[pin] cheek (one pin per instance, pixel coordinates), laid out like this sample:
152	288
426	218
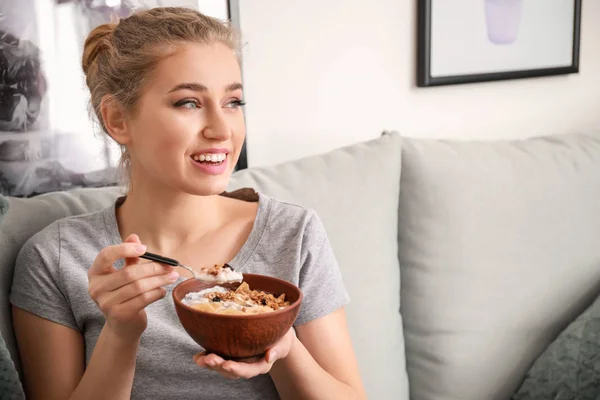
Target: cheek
163	132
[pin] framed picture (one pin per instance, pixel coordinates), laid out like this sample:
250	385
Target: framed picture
466	41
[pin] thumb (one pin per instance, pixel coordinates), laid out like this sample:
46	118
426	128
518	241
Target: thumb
133	238
272	355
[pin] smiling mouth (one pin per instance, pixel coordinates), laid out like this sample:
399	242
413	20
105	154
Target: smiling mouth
209	159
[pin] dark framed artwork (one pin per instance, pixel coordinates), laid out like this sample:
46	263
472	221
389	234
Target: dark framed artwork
467	41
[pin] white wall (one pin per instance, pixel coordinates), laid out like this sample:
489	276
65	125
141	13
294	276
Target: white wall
322	74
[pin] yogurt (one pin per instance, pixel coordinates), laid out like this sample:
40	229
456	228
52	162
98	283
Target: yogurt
241	301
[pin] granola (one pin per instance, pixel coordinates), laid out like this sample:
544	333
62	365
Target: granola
242	300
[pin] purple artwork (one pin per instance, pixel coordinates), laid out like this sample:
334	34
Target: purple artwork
503	18
489	40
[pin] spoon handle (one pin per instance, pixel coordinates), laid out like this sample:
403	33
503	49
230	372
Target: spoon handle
160	259
168	261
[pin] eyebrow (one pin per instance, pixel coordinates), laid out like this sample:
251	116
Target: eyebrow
198	87
234	86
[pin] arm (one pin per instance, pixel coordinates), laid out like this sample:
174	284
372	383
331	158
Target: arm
53	354
318	364
53	360
321	363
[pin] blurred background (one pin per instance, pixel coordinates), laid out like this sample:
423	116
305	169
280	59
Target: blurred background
317	75
48	138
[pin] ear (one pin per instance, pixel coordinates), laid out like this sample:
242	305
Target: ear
115	120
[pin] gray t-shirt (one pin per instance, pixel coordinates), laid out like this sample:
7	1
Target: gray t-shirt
286	241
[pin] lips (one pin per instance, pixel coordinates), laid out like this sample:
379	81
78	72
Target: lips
210	163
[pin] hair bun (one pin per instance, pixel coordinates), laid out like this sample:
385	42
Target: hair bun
98	40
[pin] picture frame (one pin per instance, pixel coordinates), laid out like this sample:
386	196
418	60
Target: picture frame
468	41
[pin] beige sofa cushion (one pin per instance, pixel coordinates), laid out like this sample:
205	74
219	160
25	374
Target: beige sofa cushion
499	247
27	216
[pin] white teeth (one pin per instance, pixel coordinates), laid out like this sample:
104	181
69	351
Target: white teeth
215	158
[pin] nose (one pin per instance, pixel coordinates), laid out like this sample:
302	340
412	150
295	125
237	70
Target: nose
216	127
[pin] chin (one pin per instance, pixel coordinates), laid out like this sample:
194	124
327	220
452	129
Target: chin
208	187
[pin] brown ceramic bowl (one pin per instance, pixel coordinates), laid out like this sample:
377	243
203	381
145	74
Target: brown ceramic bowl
238	337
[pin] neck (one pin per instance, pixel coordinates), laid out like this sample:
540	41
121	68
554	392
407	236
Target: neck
166	220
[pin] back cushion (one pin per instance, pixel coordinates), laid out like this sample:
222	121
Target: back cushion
27	216
355	192
499	247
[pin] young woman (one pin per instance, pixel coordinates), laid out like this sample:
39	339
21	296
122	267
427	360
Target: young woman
93	321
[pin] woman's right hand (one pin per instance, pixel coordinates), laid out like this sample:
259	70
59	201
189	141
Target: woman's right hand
122	295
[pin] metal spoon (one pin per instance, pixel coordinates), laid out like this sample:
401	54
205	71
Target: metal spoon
175	263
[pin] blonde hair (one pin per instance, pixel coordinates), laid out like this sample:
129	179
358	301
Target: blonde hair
118	58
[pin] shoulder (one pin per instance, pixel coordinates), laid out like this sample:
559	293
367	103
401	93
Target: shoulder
304	221
70	228
277	223
248	203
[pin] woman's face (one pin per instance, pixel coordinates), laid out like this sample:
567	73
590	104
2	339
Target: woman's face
188	127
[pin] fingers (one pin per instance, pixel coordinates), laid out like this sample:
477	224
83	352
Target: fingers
133	238
231	369
234	370
130	309
123	295
213	363
246	370
272	355
140	302
212	360
109	287
105	283
131	274
109	255
134	287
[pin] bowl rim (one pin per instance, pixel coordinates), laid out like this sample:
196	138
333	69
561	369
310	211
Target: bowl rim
295	304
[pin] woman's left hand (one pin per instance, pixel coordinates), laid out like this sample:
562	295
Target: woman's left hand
235	370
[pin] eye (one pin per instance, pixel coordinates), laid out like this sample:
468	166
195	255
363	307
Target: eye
188	103
235	103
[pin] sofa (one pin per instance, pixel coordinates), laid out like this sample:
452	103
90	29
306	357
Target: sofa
470	264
